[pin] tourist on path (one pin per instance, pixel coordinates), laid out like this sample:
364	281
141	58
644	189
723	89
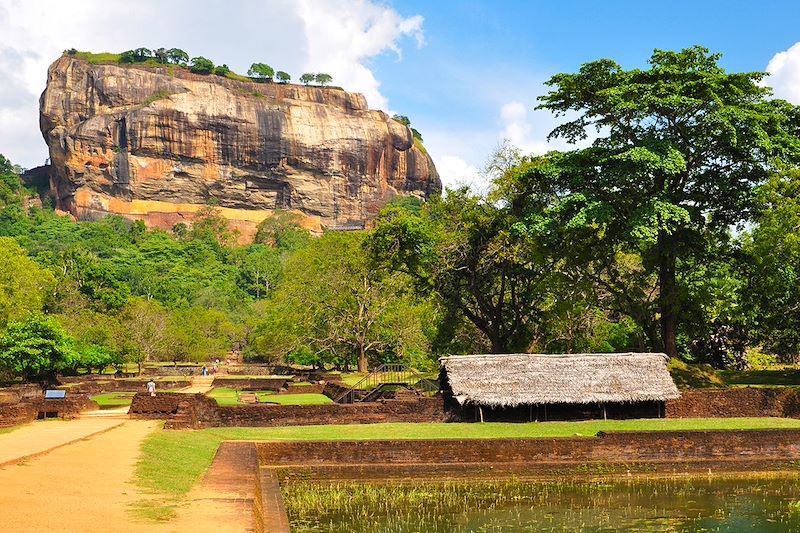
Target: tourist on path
151	387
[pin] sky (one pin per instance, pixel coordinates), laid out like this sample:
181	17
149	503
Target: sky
467	73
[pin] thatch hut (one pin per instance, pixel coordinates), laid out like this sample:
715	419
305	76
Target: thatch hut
556	387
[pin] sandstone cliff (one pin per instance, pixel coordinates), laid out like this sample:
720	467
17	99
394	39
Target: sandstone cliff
160	143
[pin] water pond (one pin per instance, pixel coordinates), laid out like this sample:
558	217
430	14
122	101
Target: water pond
708	504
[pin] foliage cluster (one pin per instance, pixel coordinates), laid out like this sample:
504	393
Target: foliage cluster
259	72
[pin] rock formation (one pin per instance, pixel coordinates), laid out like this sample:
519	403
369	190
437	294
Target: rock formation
160	143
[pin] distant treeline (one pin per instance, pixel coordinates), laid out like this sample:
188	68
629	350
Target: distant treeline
260	72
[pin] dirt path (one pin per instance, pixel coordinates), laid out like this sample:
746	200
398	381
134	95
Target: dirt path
87	486
39	437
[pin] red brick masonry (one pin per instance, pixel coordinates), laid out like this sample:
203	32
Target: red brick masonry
606	455
726	403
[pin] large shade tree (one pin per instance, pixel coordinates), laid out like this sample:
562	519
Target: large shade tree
467	251
680	146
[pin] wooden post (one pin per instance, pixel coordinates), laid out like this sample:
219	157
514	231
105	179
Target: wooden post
480	410
604	411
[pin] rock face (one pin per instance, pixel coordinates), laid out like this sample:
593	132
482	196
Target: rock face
160	143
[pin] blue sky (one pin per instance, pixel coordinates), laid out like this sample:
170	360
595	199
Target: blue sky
467	73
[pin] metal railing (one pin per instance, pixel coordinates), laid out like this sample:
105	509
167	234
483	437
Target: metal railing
384	375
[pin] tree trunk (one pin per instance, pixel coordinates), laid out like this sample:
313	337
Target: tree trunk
668	297
362	360
498	346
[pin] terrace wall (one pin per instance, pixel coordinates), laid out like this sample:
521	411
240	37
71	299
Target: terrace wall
736	402
422	410
606	455
779	444
99	384
18	413
272	384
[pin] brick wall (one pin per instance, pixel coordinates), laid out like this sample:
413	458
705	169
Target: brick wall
424	410
18	413
666	446
97	386
159	406
735	402
273	384
68	407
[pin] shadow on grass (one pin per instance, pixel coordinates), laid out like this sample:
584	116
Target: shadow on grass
772	377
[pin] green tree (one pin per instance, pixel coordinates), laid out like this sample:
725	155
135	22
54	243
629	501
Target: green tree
221	70
199	334
772	259
138	55
259	269
94	278
261	71
24	285
36	348
681	146
322	78
402	119
177	56
467	251
283	230
201	65
334	304
161	55
283	76
307	77
211	226
145	326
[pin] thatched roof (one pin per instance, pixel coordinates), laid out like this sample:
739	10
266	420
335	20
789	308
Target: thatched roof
529	379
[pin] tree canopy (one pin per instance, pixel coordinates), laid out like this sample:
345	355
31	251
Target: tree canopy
680	147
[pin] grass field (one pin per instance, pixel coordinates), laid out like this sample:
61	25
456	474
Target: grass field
226	396
172	461
777	377
113	399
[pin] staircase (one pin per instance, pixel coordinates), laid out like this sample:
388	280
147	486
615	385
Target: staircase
200	384
385	378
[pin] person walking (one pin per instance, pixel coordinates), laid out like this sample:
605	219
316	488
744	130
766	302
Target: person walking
151	387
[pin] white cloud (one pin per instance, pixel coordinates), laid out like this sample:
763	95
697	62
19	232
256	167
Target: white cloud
455	172
784	70
342	35
333	36
519	130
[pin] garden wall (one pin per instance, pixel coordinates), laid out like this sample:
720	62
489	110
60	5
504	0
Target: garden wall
19	413
99	384
606	454
423	410
272	384
735	402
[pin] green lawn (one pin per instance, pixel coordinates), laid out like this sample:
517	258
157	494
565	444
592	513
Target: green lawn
587	428
113	399
353	378
226	396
